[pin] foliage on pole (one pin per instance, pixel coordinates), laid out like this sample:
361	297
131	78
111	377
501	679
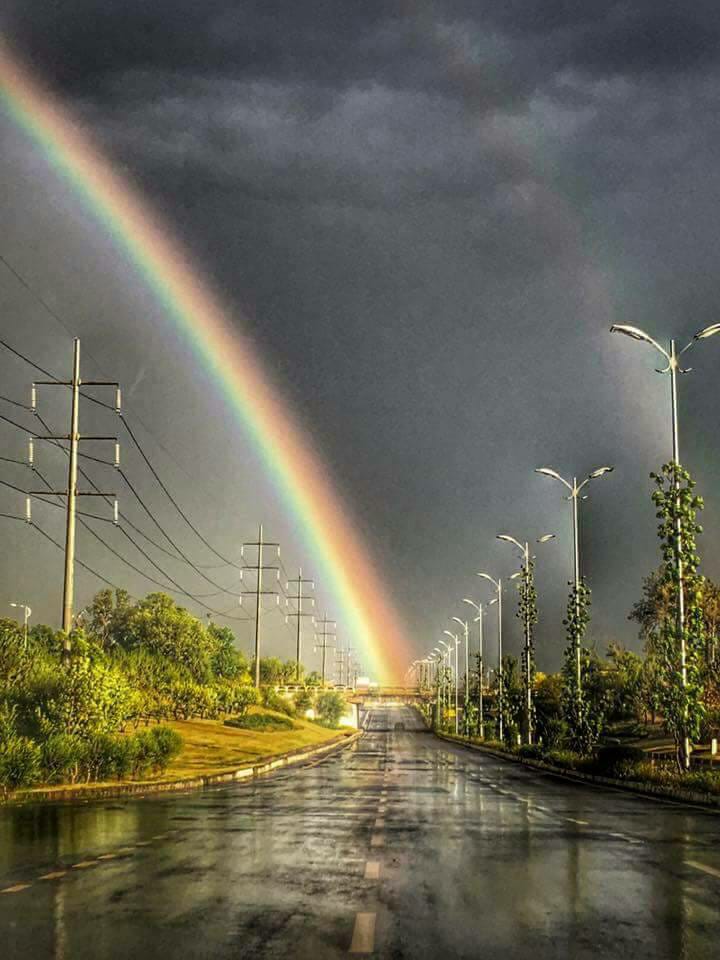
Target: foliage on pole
527	613
583	718
681	699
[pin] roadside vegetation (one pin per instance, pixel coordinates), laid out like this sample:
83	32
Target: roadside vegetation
623	715
114	708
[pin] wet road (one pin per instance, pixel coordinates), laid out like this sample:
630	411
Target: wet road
403	845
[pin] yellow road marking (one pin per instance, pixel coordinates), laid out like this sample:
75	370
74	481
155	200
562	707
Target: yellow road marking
377	840
372	870
107	856
83	864
143	843
55	875
16	888
363	939
379	823
125	850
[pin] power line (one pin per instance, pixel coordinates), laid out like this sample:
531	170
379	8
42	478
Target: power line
56	316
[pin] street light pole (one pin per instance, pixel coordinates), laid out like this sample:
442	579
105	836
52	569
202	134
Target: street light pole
26	616
498	600
575	489
478	619
466	630
672	358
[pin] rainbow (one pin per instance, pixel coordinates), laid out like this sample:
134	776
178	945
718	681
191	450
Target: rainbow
365	613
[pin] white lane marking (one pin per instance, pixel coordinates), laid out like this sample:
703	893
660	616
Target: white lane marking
363	939
372	870
622	836
583	823
379	823
377	840
704	867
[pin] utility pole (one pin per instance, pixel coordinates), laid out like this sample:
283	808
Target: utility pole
300	597
325	634
71	492
259	568
340	666
349	668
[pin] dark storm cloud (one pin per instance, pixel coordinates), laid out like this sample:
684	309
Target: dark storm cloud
439	207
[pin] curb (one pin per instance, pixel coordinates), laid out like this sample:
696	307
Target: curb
650	790
252	770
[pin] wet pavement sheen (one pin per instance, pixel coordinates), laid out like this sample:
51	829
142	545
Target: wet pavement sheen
402	846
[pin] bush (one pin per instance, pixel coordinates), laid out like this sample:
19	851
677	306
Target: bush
266	722
273	701
532	751
19	762
613	761
566	759
330	707
62	758
304	701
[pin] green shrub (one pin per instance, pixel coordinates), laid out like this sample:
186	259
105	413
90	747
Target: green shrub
532	751
266	722
614	760
330	707
273	701
566	759
62	758
19	762
304	701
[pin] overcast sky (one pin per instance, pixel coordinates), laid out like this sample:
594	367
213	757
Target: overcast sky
429	214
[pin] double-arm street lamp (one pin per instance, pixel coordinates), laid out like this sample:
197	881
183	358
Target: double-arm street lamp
524	549
672	359
575	489
498	600
481	673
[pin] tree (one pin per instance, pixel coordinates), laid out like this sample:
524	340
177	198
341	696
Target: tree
226	660
15	660
160	626
528	615
91	699
330	707
680	638
583	718
107	618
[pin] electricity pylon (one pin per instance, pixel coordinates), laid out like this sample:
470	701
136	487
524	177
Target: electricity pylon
324	635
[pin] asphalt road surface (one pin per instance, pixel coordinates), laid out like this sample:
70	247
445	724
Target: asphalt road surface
401	847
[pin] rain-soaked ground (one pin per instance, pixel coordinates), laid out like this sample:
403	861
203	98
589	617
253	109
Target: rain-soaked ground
403	845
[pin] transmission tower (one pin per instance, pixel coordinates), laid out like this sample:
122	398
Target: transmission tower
71	492
258	569
323	637
340	664
299	598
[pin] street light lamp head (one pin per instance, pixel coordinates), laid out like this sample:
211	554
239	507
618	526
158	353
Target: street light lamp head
449	633
486	576
548	472
599	472
494	600
707	331
546	537
463	623
635	332
514	576
506	537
